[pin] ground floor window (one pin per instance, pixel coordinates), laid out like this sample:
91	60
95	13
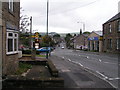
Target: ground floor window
109	43
12	43
118	43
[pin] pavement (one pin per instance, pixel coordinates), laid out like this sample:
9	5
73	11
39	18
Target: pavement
38	71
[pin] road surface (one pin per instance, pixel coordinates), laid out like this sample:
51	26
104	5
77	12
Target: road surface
104	66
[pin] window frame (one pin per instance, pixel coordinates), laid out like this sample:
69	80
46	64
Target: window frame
110	28
11	5
13	43
118	26
118	43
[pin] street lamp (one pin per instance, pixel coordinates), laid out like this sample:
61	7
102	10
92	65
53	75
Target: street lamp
83	25
83	30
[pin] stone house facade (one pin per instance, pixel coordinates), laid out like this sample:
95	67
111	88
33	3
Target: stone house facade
111	34
80	41
95	41
10	12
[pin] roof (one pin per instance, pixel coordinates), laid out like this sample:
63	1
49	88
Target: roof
86	35
117	16
99	33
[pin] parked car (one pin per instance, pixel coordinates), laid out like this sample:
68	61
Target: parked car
44	49
62	47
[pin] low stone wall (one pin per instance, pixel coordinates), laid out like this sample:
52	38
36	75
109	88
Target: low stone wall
36	62
52	68
21	82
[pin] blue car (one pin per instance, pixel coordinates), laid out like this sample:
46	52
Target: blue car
44	49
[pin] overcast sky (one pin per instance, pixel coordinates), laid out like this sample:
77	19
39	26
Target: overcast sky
64	15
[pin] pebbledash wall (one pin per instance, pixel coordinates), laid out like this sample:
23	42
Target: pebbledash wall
9	34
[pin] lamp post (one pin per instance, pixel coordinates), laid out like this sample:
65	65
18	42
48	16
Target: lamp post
83	25
83	30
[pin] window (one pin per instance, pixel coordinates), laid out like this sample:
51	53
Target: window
12	43
110	43
118	25
11	5
110	29
118	43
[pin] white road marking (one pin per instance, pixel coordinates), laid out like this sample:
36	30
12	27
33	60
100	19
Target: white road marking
65	70
104	77
100	60
106	62
87	57
63	57
109	63
75	62
88	68
80	64
114	78
69	59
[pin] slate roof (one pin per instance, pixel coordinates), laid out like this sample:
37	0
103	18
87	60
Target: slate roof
117	16
99	33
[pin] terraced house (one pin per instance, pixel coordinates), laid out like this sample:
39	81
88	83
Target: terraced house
111	34
9	28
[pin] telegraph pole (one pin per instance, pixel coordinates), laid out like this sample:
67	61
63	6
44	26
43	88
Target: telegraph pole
47	26
31	33
33	52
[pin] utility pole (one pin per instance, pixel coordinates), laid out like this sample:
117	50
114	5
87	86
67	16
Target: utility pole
31	33
33	52
47	26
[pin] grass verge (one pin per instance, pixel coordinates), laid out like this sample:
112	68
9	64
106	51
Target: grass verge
22	68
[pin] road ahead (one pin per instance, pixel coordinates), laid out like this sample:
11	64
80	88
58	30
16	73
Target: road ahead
102	65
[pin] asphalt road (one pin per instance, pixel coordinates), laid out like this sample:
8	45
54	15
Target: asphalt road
102	65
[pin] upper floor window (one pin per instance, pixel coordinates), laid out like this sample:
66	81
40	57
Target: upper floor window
118	25
11	5
110	29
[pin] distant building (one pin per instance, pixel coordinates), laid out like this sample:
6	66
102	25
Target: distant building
80	41
95	41
52	33
111	34
9	28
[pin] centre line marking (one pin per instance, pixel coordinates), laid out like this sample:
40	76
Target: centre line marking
100	60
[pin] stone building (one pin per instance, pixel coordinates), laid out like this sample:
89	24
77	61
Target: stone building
95	41
111	34
80	41
9	28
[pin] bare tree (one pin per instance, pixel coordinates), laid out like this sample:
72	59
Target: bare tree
24	22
